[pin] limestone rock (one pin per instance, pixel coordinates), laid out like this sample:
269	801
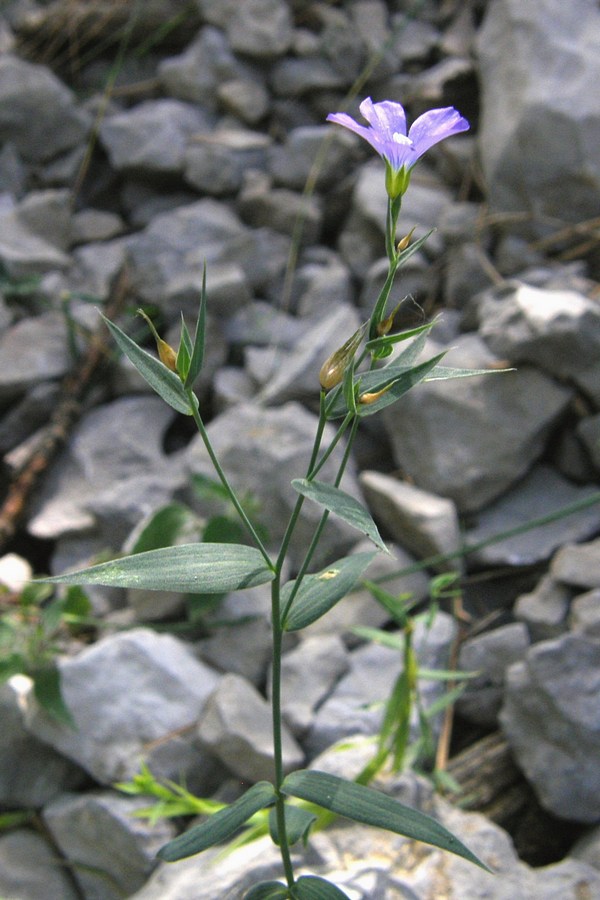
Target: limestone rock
470	439
112	853
551	718
540	127
134	696
236	728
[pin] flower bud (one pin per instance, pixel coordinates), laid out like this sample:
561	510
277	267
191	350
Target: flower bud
332	370
405	241
166	354
368	398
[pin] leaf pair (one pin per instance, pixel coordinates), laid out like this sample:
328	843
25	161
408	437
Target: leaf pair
173	387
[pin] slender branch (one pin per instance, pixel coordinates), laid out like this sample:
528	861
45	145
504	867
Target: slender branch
225	482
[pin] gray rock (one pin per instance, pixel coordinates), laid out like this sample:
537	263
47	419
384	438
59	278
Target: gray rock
195	75
283	210
29	869
111	852
245	98
587	848
260	324
222	649
262	450
424	524
32	351
557	331
588	430
294	161
38	114
95	225
31	772
112	473
29	414
152	137
467	273
236	727
320	285
470	439
578	564
48	215
177	243
540	494
151	721
295	78
23	253
295	375
544	610
215	162
490	654
584	615
308	673
261	29
539	126
96	265
551	718
356	705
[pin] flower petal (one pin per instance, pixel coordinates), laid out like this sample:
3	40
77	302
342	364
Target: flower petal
386	118
435	125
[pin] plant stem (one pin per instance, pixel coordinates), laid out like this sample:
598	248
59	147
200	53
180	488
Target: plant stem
225	482
277	737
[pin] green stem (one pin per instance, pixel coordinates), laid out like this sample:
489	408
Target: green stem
224	480
322	522
285	543
277	736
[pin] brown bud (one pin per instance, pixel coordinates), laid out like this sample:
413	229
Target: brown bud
166	354
405	241
332	370
368	398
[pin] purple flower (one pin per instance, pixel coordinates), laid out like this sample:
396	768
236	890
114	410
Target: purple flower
386	132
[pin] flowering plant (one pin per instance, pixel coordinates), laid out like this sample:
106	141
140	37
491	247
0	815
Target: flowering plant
352	385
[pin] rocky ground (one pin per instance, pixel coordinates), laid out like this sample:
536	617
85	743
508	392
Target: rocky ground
139	141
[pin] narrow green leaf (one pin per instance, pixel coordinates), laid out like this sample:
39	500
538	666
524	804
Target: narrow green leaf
163	528
320	592
412	248
166	383
189	568
311	887
388	340
443	373
371	807
342	505
298	823
197	352
267	890
377	379
184	352
220	826
46	688
399	383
